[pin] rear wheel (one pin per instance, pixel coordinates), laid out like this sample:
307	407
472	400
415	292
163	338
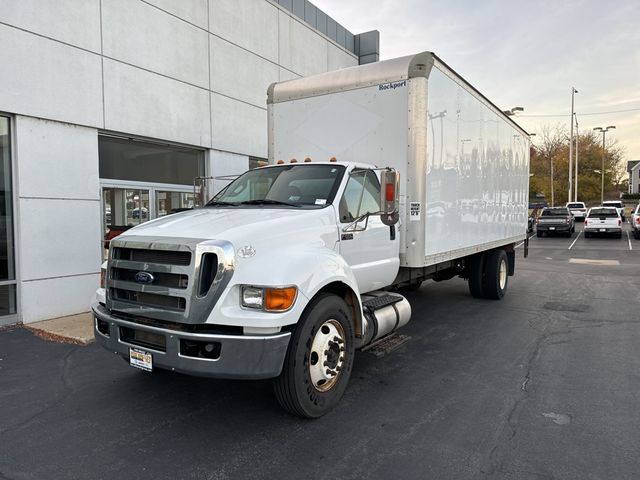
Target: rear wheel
476	276
496	274
319	359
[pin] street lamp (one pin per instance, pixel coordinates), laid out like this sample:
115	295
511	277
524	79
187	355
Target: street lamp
573	92
513	111
604	131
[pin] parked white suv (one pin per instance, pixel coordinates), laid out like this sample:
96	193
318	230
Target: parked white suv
635	222
603	221
577	209
617	204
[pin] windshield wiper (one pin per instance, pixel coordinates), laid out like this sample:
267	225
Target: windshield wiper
268	202
215	203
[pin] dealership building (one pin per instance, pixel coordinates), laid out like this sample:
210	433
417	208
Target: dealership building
109	109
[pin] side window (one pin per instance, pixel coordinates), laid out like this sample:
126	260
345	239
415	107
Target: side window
362	195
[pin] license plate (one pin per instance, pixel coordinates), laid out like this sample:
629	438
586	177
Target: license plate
603	229
140	359
552	228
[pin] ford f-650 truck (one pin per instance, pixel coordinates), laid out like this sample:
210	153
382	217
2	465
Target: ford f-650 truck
382	176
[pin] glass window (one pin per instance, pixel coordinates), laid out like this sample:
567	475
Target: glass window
7	265
124	159
171	202
361	195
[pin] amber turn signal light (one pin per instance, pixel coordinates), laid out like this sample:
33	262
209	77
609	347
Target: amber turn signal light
279	299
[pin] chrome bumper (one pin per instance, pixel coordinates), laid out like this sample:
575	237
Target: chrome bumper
241	356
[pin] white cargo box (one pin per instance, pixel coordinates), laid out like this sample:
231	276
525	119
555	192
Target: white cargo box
464	165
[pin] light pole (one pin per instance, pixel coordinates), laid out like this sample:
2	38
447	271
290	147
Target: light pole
573	92
575	193
604	132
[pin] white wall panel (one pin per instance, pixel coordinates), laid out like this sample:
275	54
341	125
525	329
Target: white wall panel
142	35
338	58
287	75
238	127
193	11
225	163
56	160
240	74
58	237
44	78
143	103
302	50
76	22
252	24
57	297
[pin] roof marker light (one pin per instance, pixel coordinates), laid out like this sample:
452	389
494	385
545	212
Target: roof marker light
333	159
307	159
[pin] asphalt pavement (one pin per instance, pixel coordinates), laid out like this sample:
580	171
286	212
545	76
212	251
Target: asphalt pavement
544	384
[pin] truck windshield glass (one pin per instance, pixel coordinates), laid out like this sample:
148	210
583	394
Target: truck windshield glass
603	213
555	212
286	185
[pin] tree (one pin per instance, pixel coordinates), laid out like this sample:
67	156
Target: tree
552	150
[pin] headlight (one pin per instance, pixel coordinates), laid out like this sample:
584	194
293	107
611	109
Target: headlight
252	297
268	298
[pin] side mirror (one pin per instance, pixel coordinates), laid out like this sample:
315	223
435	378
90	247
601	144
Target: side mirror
389	196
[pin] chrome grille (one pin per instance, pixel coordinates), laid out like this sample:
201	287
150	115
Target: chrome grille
183	278
166	257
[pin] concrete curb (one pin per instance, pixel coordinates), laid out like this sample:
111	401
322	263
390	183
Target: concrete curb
74	329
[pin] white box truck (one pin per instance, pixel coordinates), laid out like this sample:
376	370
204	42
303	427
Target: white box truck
382	176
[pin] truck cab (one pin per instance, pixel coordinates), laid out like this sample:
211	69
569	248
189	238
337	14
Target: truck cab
223	299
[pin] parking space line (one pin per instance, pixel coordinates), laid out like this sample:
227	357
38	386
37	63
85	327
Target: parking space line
629	240
574	242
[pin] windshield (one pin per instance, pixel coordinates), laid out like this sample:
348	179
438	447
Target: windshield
555	212
603	212
286	185
612	204
575	205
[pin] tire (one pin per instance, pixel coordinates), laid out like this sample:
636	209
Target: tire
636	234
496	274
476	276
569	233
323	335
538	234
619	235
587	235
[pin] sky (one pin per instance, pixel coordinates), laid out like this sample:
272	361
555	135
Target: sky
523	53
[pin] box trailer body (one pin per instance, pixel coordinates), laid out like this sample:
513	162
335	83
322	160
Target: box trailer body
293	266
464	164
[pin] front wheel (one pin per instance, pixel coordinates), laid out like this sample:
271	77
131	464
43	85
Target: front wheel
319	359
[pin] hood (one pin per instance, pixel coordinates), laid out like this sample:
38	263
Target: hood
243	225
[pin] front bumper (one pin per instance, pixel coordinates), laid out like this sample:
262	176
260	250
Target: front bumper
240	357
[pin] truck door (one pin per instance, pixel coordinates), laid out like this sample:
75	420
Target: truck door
369	247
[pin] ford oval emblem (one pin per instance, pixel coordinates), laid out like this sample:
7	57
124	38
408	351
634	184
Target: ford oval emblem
144	277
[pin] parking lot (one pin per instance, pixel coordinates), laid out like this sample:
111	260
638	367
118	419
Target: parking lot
543	384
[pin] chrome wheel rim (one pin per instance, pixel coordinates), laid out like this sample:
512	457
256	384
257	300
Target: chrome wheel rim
326	357
503	274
